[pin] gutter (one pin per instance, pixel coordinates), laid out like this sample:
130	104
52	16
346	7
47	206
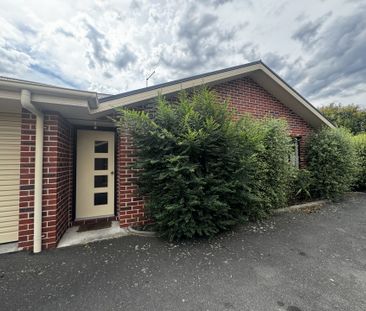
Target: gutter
12	84
25	99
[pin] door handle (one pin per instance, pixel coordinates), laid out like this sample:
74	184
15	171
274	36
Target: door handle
112	173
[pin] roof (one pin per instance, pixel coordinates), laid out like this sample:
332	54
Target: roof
34	83
179	81
257	71
15	80
100	105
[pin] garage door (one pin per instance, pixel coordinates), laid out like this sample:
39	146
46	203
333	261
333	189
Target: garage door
9	176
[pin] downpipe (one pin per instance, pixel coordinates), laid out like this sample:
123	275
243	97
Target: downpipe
26	102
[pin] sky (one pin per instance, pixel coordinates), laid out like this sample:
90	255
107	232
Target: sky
109	46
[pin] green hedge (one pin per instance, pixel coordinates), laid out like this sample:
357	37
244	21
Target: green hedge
360	147
332	162
272	170
202	171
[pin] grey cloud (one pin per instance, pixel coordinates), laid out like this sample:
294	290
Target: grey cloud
292	71
99	44
336	63
218	3
17	62
277	8
107	75
5	62
196	26
124	57
276	62
301	17
134	5
193	32
14	59
91	63
55	74
340	60
65	32
199	40
26	29
249	51
308	31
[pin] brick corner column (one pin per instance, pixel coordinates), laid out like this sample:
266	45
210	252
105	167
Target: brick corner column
26	186
57	180
130	204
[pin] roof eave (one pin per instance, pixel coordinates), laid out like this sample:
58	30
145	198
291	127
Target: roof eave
90	97
180	85
312	115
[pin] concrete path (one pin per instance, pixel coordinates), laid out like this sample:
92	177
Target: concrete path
295	261
73	237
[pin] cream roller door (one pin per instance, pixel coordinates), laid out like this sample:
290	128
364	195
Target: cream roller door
10	124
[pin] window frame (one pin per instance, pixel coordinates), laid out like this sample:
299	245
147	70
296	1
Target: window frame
294	157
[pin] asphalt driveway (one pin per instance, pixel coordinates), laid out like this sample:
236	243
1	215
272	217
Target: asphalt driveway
293	262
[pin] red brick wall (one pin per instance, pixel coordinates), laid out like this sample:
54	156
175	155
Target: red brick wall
26	193
65	145
246	97
57	179
131	205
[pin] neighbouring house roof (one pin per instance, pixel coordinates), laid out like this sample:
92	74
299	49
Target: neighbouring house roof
93	106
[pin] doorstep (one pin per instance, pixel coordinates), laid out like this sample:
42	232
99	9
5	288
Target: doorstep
9	248
73	237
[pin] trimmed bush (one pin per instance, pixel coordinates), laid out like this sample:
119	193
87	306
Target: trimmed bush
331	160
202	171
277	147
360	147
266	163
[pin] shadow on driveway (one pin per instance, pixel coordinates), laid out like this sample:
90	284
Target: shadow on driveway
292	262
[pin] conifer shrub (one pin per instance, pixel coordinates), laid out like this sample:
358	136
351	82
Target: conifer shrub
332	162
359	142
203	172
275	158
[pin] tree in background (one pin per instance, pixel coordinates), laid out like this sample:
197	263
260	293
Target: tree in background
352	117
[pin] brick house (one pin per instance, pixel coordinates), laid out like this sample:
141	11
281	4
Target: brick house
63	163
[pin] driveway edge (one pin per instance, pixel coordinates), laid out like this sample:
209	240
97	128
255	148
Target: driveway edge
298	207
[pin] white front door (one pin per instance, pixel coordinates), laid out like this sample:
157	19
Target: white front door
94	174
